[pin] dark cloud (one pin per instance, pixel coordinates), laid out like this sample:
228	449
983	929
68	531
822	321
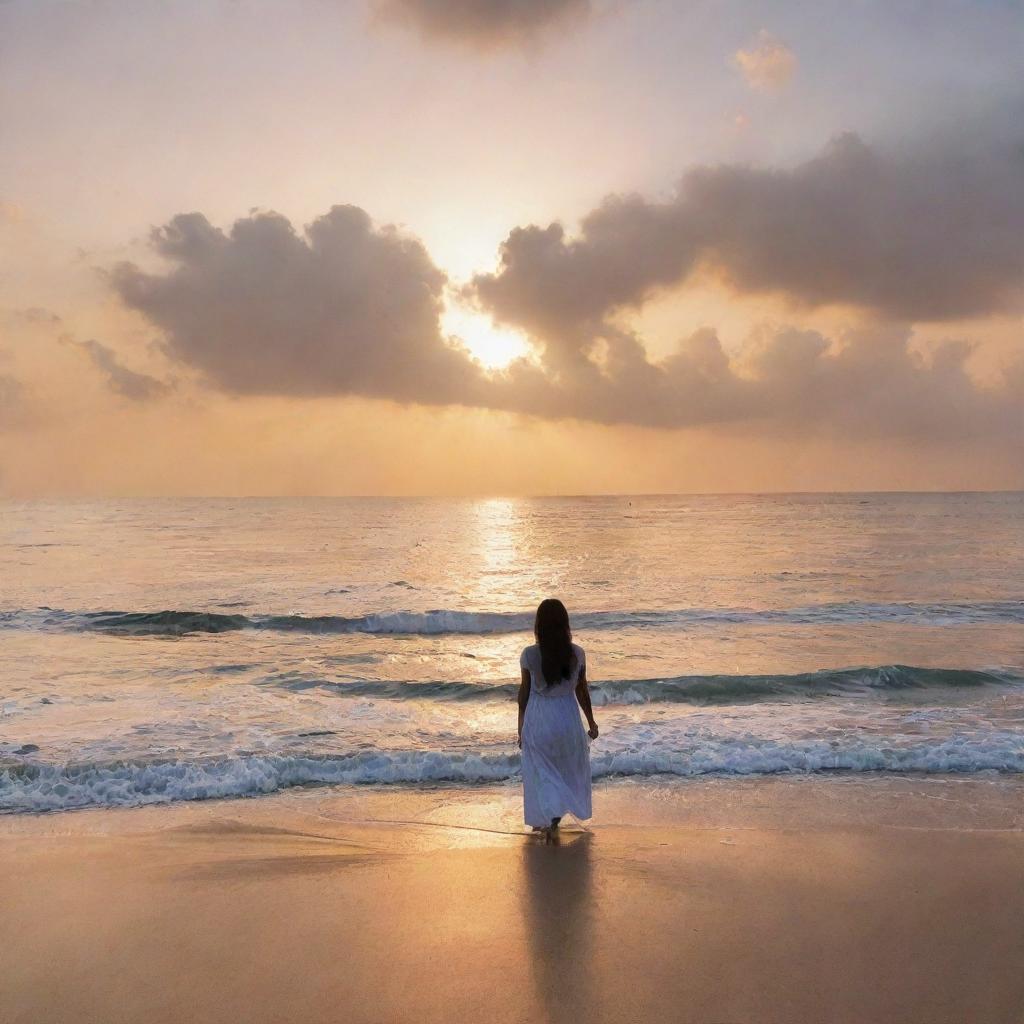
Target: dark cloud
931	236
485	23
139	387
349	308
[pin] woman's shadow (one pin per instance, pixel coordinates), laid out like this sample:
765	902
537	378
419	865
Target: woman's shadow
558	918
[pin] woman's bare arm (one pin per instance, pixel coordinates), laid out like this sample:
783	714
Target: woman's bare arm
583	696
524	697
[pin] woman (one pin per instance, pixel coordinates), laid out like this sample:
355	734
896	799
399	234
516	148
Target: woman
556	757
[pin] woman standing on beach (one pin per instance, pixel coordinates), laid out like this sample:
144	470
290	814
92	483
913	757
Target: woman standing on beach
556	757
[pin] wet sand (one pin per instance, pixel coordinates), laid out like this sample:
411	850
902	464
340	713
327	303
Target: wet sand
765	901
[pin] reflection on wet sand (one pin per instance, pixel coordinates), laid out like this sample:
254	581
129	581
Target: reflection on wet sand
557	902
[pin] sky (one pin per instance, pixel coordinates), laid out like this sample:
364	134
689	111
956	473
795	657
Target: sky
510	247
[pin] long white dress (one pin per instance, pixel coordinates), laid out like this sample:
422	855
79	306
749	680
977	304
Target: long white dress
556	751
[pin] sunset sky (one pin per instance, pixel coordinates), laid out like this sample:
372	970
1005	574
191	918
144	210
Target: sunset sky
494	247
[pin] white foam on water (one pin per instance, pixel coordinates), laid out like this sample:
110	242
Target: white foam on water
638	751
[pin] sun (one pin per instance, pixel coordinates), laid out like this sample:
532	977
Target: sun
495	347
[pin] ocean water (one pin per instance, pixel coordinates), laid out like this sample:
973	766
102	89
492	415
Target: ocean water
160	650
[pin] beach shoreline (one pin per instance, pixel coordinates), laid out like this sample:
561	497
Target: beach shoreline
758	900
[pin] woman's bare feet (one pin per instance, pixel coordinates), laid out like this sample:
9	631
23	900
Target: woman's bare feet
550	832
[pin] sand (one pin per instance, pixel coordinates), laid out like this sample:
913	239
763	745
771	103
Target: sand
765	901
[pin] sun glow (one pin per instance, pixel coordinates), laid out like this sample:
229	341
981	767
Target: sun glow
495	347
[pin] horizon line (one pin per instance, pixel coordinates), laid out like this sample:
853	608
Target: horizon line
497	496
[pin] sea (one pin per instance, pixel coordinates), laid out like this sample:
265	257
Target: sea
159	650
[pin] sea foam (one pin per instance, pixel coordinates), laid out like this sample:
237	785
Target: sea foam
39	786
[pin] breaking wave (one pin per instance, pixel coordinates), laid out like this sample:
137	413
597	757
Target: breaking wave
33	786
710	689
443	621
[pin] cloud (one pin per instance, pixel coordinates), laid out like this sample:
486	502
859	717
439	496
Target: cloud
139	387
767	64
352	309
865	383
562	290
348	308
483	23
927	236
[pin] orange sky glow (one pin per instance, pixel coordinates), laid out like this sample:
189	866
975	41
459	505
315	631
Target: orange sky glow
576	246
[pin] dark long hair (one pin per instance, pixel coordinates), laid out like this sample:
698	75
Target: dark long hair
551	628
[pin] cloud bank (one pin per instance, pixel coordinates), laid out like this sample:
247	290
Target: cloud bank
351	308
483	23
865	383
